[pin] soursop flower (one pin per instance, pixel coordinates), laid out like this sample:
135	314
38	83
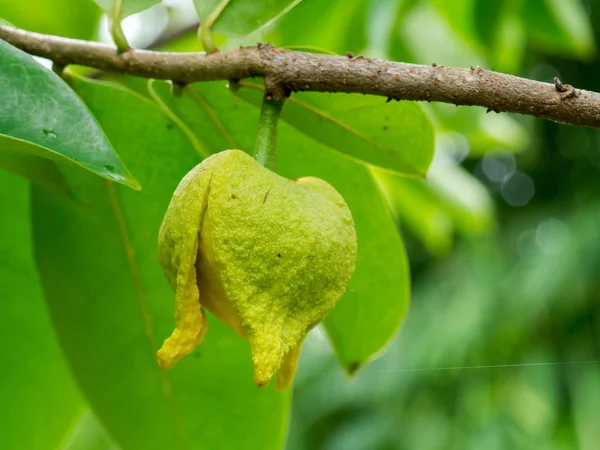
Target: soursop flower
266	255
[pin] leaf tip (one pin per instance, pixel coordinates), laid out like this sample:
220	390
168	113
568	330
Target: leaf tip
353	367
135	185
127	179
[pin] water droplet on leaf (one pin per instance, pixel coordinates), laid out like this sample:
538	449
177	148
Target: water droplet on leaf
50	133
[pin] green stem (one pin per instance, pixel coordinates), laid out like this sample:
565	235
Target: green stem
116	29
58	69
264	146
205	30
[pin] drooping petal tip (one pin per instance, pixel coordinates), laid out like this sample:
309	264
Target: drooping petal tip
182	341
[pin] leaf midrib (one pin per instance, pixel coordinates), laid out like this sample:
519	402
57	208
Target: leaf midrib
144	309
212	115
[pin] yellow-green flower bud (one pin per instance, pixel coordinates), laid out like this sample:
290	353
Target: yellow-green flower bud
266	255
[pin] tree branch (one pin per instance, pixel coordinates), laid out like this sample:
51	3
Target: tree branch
300	71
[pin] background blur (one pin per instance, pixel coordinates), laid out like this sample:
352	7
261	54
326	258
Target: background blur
503	238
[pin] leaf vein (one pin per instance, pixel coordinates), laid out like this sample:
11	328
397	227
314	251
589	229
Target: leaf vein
210	112
144	309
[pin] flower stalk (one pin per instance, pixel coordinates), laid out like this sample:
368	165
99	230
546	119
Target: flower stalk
266	137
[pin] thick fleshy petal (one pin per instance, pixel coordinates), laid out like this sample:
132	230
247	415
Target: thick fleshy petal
285	251
177	249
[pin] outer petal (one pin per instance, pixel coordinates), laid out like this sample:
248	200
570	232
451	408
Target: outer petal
177	248
285	252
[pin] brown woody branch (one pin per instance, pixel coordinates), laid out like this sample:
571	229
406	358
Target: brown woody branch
300	71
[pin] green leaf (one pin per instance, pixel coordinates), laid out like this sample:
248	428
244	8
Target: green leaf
560	27
417	208
337	25
240	17
39	398
486	15
432	210
464	197
74	19
88	434
502	32
42	407
483	131
394	136
129	6
424	25
17	156
37	106
459	14
509	44
112	305
370	312
450	200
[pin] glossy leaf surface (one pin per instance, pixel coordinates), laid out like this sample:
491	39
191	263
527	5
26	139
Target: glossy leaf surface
241	17
129	6
39	397
39	108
